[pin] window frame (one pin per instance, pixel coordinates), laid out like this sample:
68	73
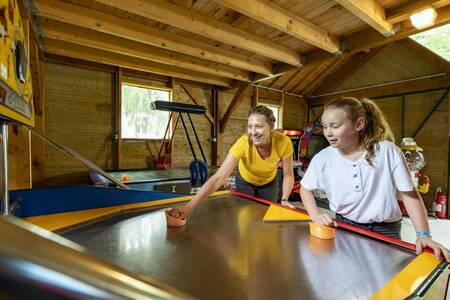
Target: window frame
151	87
278	117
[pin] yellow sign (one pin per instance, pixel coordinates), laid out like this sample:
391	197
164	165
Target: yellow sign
16	96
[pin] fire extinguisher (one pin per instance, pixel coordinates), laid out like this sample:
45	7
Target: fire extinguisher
440	204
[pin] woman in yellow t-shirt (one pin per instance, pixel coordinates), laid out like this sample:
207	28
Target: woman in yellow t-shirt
257	155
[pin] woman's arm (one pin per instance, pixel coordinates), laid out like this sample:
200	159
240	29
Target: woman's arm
288	178
418	214
210	186
310	205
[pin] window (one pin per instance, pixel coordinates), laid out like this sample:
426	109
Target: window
139	121
276	112
437	40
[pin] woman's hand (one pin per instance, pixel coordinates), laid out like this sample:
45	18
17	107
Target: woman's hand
287	204
438	249
323	219
180	212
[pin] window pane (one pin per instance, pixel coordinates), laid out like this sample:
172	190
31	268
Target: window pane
275	110
139	121
437	40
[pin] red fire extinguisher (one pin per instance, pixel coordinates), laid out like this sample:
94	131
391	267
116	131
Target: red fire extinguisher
440	204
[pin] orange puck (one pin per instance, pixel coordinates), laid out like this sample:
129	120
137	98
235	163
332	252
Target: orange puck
174	222
322	231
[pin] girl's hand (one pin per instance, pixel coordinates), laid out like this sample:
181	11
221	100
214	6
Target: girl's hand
180	212
438	249
323	219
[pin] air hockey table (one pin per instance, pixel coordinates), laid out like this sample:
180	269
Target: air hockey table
227	251
169	180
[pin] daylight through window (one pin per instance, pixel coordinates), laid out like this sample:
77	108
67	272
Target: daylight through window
139	121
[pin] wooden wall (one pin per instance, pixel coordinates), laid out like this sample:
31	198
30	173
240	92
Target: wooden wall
79	112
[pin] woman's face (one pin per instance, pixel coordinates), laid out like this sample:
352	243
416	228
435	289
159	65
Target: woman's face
339	130
259	129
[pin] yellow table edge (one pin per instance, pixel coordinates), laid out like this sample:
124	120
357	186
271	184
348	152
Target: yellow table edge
408	279
59	221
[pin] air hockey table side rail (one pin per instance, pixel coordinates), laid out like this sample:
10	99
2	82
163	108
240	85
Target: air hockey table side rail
100	203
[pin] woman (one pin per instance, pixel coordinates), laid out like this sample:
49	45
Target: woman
257	154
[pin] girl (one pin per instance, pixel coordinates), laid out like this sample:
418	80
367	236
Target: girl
257	153
362	172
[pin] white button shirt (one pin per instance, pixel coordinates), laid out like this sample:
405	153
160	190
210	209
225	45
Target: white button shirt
358	191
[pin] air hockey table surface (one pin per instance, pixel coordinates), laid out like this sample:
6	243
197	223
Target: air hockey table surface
227	251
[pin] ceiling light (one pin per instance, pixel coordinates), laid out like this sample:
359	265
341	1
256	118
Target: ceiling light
424	18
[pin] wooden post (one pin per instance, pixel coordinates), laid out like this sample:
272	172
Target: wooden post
281	112
255	97
217	155
118	129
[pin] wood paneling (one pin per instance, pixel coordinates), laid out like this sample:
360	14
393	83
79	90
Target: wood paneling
78	110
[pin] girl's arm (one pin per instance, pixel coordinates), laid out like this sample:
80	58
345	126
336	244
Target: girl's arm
310	205
210	186
418	214
288	180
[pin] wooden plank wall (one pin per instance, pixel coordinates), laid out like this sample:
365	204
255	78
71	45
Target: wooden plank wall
79	113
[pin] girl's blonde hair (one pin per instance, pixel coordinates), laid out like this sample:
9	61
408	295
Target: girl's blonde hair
376	127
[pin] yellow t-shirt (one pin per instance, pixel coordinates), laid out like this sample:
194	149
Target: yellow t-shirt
252	167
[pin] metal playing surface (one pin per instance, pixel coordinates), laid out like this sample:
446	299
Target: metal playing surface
227	252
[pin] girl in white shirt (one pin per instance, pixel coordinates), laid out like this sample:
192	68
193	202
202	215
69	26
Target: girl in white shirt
363	172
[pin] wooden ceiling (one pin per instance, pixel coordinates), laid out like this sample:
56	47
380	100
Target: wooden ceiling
293	45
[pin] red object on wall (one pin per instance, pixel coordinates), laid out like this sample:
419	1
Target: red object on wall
440	204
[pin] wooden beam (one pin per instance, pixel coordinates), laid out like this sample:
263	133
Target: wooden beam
107	23
428	55
37	145
403	13
278	70
275	16
196	101
77	35
255	97
190	20
371	12
109	58
367	39
388	90
237	100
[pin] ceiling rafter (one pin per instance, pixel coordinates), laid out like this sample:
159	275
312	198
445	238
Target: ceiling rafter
189	20
109	58
366	39
282	19
371	12
81	36
106	23
403	13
